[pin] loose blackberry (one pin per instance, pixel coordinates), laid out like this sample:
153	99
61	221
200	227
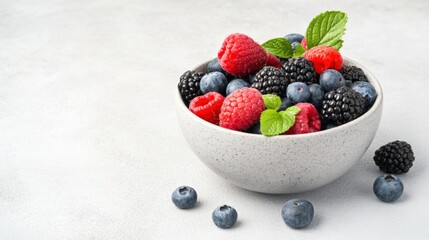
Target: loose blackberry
395	157
353	73
189	85
342	105
270	80
300	70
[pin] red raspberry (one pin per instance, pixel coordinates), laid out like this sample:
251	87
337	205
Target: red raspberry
207	106
304	43
273	61
241	109
240	55
306	121
324	57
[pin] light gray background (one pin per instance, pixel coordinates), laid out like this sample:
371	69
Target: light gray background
90	147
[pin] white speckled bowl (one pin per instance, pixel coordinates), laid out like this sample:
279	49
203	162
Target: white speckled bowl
286	163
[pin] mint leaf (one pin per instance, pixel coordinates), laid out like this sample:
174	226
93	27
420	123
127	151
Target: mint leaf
275	123
279	47
272	101
299	51
327	29
293	110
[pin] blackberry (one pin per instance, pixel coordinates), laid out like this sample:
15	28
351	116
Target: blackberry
300	70
270	80
395	157
353	73
189	85
342	105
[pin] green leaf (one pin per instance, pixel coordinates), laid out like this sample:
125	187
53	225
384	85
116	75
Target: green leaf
279	47
299	51
272	101
275	123
327	29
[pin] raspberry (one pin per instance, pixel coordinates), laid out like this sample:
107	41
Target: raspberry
240	55
207	106
324	57
306	121
241	109
304	43
273	61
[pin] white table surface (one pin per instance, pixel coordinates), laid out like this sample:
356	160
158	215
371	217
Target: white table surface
90	147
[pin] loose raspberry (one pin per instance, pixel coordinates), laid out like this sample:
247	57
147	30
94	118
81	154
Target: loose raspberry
304	43
306	121
324	57
240	55
273	61
207	106
241	109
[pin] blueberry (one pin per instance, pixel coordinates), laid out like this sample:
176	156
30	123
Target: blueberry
297	213
251	78
294	44
224	216
331	79
298	92
329	126
294	37
214	66
317	94
236	84
349	83
286	102
367	91
184	197
388	188
255	129
213	82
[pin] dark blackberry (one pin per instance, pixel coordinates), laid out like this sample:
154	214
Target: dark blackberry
300	70
189	85
353	73
395	157
342	105
270	80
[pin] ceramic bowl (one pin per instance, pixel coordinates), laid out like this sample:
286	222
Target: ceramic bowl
285	163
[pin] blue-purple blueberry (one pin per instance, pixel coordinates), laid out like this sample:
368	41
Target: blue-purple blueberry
224	216
294	37
235	84
286	102
255	129
298	213
213	82
367	91
388	188
316	94
331	79
298	92
184	197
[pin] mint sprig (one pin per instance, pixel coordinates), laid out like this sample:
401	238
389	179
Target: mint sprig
272	122
279	47
327	29
299	51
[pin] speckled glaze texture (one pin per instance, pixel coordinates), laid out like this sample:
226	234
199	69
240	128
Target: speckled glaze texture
286	163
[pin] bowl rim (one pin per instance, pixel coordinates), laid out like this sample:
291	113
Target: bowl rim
377	104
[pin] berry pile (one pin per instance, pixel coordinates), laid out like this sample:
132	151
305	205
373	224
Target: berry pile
290	85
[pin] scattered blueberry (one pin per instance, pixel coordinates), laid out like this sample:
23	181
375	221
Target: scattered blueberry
286	102
388	188
224	216
329	126
255	129
214	66
331	79
294	37
213	82
349	83
367	91
184	197
251	78
317	94
297	213
236	84
294	44
298	92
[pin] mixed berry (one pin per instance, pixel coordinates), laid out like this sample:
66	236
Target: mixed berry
295	69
